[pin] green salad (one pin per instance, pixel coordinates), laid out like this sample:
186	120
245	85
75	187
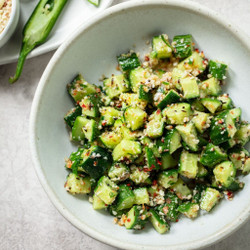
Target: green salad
158	139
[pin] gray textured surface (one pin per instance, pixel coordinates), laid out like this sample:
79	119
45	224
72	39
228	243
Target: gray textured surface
28	220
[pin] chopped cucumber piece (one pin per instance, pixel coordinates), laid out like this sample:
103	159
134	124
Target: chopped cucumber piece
226	102
90	105
170	97
202	171
70	117
79	88
145	93
201	121
137	77
168	161
136	219
152	162
217	69
141	196
155	126
190	87
96	161
115	85
210	87
188	164
177	113
211	104
106	190
194	63
110	139
161	47
183	46
118	172
77	129
242	136
225	173
98	203
210	199
160	225
168	178
128	61
109	115
126	149
212	155
135	117
78	185
189	136
138	175
125	198
189	209
133	100
182	190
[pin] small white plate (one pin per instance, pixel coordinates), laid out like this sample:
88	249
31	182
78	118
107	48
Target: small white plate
75	13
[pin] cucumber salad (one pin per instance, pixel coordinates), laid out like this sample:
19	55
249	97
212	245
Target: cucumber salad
158	139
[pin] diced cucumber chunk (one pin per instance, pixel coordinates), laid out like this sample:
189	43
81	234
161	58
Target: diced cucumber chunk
109	115
155	126
212	155
198	191
210	87
189	87
90	105
226	102
177	75
209	199
118	172
222	128
161	47
242	135
125	198
128	61
96	161
121	128
168	161
170	208
211	104
170	142
160	225
98	203
183	46
188	164
126	149
194	63
189	209
138	175
201	121
168	178
77	129
133	100
197	105
202	171
225	173
115	85
246	166
135	117
90	129
189	136
145	93
135	219
78	185
177	113
238	155
152	162
217	69
181	190
75	160
170	97
110	139
137	77
141	196
106	190
79	88
70	117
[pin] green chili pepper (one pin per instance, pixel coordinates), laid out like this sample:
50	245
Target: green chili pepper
37	29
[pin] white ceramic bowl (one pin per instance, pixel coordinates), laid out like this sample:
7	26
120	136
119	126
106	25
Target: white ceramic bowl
12	23
92	50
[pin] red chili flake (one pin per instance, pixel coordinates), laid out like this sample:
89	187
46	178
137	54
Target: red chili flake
155	194
220	121
128	184
222	128
238	158
162	139
104	123
146	58
95	163
83	106
230	195
158	111
177	220
128	220
230	126
77	102
65	184
158	162
106	205
154	182
197	50
98	90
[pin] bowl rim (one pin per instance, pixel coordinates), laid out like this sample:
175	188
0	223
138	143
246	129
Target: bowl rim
184	4
14	11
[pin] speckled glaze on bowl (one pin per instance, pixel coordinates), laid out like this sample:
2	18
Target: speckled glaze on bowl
12	23
92	51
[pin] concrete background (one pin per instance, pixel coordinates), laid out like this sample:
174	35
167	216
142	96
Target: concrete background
28	220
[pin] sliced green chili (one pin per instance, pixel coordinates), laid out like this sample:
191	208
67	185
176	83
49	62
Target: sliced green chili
37	29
